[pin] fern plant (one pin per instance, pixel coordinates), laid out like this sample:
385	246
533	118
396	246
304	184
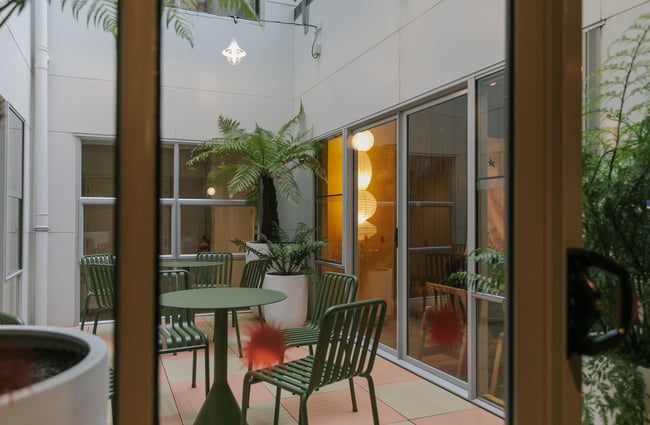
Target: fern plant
616	223
9	7
490	277
103	13
261	163
288	254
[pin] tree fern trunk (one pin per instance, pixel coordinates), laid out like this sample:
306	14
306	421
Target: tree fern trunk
270	219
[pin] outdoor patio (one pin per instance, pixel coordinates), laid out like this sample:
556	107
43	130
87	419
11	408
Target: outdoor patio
403	397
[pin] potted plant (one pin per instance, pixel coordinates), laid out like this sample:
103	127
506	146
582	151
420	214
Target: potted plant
289	272
261	163
489	279
616	223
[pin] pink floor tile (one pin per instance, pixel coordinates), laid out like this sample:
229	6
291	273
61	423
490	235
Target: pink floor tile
259	393
335	407
463	417
170	420
385	372
188	399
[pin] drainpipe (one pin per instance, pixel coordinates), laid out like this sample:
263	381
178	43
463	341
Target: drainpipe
40	143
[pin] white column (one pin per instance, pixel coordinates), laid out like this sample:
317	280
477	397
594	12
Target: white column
40	189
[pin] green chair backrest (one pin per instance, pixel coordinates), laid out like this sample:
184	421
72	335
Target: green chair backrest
87	260
102	279
333	288
214	276
253	274
347	341
10	319
171	281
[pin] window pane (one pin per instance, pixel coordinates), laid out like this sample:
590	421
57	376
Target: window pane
437	201
216	225
166	171
13	245
490	163
14	160
13	196
165	230
329	200
98	229
490	357
376	221
98	170
193	182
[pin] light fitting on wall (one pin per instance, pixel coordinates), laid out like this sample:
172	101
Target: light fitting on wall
362	141
233	52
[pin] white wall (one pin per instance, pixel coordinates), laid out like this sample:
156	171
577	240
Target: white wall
15	88
381	53
15	63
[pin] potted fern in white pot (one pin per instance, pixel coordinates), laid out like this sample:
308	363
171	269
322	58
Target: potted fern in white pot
289	272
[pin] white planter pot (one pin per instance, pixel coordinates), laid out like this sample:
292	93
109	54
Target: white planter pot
292	312
74	396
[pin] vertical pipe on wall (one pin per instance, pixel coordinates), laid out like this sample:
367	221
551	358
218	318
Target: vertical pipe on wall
40	178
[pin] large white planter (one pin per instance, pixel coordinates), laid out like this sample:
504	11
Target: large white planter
291	312
74	396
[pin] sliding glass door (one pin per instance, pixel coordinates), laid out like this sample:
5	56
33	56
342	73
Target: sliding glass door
437	234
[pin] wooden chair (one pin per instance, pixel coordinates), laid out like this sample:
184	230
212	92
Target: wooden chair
333	288
98	274
347	344
214	276
443	297
252	277
177	330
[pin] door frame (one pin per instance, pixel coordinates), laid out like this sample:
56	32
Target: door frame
544	128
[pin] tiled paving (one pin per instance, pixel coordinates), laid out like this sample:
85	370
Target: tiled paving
402	397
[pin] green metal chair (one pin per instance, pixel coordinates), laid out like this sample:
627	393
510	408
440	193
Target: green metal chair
10	319
333	288
252	277
214	276
177	330
347	344
98	274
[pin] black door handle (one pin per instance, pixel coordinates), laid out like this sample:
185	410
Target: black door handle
585	303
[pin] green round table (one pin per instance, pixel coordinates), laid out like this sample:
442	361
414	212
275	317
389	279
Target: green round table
185	264
220	406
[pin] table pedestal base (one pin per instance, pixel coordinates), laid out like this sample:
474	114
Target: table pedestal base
220	406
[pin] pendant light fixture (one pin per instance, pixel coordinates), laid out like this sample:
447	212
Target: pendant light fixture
233	52
362	141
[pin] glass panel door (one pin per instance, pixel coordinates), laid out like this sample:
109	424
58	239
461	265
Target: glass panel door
376	153
437	235
488	296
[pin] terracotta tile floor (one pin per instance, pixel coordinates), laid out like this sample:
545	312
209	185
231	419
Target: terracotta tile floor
402	397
